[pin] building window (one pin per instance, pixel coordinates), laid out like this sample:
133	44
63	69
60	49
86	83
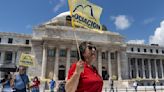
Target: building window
162	51
74	54
105	74
145	50
161	84
142	84
151	51
51	52
10	40
112	55
103	55
0	40
61	72
68	18
138	49
63	53
27	41
148	84
132	49
156	51
8	56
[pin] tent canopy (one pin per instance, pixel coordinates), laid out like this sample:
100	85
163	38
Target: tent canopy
8	67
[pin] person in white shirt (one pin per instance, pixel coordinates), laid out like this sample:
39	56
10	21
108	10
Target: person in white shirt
135	85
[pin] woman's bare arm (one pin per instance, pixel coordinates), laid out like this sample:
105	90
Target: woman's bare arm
72	83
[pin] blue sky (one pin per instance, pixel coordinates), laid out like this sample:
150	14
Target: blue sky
140	21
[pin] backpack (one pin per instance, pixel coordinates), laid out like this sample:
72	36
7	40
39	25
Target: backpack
61	87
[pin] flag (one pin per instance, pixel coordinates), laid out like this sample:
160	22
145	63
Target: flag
85	14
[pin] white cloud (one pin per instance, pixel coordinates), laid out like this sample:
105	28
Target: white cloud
136	41
59	5
148	21
121	22
158	37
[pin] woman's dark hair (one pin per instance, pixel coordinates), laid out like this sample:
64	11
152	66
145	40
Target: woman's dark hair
82	48
36	78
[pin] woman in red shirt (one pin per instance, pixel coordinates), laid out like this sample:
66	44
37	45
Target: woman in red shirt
35	85
82	76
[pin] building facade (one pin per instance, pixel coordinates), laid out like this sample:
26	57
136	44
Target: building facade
146	63
54	47
54	41
11	47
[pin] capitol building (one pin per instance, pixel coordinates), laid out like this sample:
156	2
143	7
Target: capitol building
54	47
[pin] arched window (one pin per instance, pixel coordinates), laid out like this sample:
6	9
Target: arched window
68	18
105	74
61	73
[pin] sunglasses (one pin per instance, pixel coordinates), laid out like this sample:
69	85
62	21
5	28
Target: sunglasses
90	47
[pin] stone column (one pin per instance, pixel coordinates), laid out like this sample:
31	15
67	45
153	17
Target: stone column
143	69
56	64
18	57
149	64
68	60
100	62
2	61
44	60
109	65
119	65
2	56
161	66
136	65
155	66
13	57
130	67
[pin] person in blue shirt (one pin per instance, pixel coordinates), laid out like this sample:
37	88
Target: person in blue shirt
21	80
6	87
52	84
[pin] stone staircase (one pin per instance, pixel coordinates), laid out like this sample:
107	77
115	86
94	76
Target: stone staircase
119	84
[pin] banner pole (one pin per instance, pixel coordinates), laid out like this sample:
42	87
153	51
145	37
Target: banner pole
74	33
77	45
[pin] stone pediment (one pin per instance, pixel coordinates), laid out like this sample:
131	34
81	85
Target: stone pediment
59	28
65	32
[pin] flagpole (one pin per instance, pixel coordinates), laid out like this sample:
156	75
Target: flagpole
77	44
74	33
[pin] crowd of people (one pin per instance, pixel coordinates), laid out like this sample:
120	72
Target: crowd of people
19	82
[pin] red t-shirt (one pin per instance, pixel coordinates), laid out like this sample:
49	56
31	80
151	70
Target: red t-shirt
36	84
90	80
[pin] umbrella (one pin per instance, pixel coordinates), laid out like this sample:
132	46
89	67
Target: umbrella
8	67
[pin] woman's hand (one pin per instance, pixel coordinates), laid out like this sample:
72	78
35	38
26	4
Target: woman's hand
79	67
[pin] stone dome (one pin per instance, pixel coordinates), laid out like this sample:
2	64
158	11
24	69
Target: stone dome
64	19
62	15
59	19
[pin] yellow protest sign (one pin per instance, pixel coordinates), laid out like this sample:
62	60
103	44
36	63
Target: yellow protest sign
85	14
26	60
